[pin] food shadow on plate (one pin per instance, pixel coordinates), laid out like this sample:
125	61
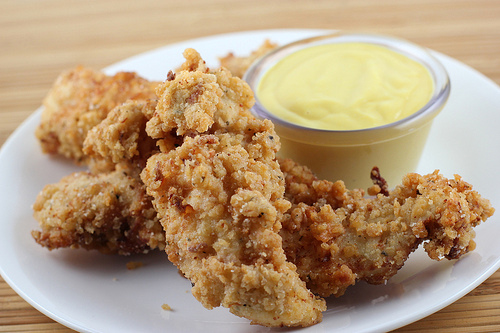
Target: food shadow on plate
419	277
95	263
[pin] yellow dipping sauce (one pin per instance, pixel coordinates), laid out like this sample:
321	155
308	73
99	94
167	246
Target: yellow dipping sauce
345	86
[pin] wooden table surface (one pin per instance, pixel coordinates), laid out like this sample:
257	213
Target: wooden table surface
39	39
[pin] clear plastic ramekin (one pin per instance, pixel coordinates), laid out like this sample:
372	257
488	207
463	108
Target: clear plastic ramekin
350	155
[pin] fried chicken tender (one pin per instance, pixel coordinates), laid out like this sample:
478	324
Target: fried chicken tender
239	65
335	236
180	97
80	99
220	200
121	138
108	212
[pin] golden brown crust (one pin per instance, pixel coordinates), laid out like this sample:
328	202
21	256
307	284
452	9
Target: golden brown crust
220	199
108	212
188	101
121	138
336	236
80	99
179	104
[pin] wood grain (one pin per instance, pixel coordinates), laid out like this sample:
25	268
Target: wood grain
39	39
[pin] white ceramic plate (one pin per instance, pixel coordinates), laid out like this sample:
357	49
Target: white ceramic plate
91	292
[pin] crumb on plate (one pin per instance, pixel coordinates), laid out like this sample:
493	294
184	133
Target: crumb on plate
134	265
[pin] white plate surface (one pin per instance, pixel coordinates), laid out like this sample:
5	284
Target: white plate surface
90	292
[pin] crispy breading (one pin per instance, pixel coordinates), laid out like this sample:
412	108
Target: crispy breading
80	99
220	199
239	65
108	212
182	94
220	210
336	236
121	138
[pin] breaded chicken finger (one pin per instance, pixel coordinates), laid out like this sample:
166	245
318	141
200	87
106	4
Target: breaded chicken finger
80	99
336	236
108	212
220	200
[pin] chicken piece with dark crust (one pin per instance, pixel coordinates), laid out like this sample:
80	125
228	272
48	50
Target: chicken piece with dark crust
108	212
336	236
